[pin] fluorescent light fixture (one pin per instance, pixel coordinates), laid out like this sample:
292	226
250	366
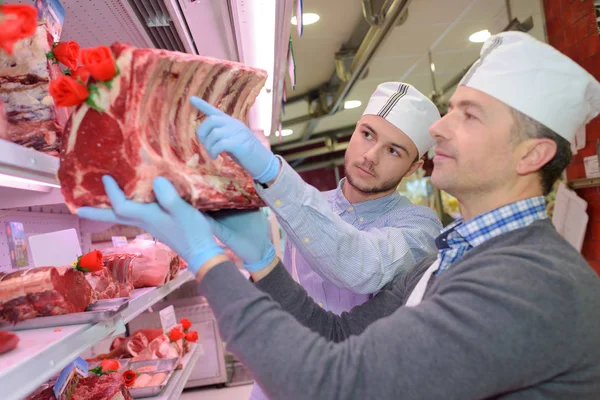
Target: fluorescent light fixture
432	66
285	132
350	104
16	182
480	37
256	35
307	19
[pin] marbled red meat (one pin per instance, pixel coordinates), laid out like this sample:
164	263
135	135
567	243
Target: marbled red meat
41	292
33	120
148	129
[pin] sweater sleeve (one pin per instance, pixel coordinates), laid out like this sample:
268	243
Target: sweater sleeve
294	299
480	333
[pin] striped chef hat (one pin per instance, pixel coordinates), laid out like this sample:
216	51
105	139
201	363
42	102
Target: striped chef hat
407	109
537	80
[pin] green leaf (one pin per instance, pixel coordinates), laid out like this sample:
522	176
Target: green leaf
98	371
90	101
50	55
68	72
108	84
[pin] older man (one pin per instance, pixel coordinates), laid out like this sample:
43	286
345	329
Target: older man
507	309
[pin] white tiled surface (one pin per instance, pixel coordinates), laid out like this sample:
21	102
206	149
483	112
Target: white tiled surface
228	393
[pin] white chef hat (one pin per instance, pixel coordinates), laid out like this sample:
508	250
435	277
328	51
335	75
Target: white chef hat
407	109
537	80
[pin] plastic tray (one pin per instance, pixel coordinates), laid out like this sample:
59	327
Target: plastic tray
151	391
162	364
86	317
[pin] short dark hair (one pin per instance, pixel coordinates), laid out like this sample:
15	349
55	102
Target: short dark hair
527	128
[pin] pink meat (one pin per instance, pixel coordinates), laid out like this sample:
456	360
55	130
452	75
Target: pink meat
148	129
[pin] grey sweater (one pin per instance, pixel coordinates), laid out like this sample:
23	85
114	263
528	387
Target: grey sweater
518	317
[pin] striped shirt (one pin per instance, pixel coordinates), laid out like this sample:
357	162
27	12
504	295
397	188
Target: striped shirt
460	236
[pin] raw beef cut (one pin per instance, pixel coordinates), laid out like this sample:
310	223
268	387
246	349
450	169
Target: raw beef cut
148	129
144	344
106	286
41	292
105	387
147	262
33	120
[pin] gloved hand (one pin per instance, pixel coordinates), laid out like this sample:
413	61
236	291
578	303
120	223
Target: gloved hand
246	233
222	133
172	221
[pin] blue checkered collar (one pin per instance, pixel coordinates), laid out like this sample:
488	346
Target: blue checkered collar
492	223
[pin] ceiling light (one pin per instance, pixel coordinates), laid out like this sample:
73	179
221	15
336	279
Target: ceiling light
480	37
285	132
432	65
307	19
352	104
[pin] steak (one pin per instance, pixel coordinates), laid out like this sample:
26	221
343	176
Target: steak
33	120
148	129
144	262
42	292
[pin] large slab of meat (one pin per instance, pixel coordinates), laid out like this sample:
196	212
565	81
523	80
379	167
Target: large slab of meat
105	387
42	292
148	129
33	120
144	344
142	263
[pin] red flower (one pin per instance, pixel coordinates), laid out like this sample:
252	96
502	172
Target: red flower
186	324
17	22
67	53
191	336
66	92
91	262
100	62
129	377
176	334
81	73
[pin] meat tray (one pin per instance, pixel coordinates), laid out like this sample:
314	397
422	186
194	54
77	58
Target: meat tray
162	364
87	317
151	391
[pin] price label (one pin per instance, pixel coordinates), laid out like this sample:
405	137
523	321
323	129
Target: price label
144	236
167	318
119	241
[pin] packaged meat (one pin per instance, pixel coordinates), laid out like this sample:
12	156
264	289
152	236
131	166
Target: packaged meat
8	341
142	263
33	120
42	291
148	128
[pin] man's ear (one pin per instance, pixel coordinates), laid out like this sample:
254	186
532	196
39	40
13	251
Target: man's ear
534	154
414	167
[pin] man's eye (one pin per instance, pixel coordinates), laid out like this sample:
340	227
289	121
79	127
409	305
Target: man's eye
393	152
367	135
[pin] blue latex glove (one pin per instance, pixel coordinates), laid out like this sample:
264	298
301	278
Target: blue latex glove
172	221
221	133
246	233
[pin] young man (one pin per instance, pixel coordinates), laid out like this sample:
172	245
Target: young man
345	244
508	309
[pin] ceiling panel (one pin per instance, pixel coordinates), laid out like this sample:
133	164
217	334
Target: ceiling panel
403	56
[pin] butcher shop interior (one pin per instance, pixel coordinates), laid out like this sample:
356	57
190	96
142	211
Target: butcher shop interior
323	151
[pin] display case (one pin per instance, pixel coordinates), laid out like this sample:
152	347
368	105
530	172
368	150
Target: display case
252	32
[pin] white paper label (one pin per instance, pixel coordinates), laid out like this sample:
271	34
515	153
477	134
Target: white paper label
592	169
144	236
167	318
119	241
